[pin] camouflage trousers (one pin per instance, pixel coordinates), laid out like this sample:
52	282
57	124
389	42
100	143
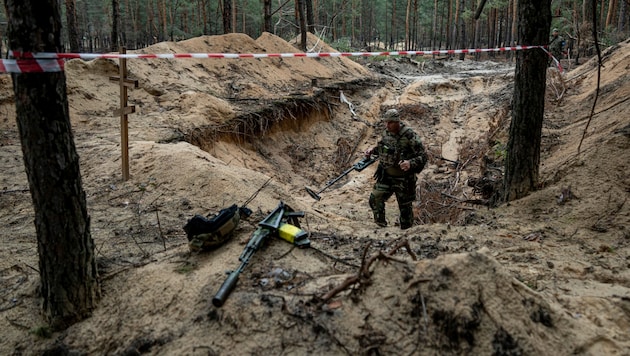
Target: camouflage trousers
405	190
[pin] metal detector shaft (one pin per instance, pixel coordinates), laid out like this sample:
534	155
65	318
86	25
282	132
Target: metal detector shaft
359	166
449	160
330	182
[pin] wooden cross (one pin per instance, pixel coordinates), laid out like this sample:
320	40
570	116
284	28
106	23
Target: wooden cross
124	111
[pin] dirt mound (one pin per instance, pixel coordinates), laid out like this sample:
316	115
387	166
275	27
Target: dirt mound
551	275
453	304
461	303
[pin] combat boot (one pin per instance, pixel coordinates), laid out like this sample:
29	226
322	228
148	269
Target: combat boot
379	219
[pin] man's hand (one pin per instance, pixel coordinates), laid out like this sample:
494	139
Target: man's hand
368	152
404	165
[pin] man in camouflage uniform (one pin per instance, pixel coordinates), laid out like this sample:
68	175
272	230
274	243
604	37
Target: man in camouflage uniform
401	155
556	45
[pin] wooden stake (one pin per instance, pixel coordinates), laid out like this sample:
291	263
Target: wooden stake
124	111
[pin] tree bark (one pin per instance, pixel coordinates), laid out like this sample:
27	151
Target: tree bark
407	26
393	39
71	21
299	4
310	16
602	14
455	34
267	16
523	150
163	19
67	267
586	28
227	16
414	38
204	16
514	32
434	25
623	15
612	9
234	14
244	15
115	22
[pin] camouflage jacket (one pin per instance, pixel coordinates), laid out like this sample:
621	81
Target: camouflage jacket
406	145
556	45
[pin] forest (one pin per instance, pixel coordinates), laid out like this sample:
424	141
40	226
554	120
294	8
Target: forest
366	25
110	271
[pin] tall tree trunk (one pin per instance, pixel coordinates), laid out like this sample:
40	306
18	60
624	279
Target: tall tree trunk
267	16
244	16
523	150
299	4
574	48
173	9
455	33
514	21
204	16
310	16
344	25
612	9
365	23
128	28
434	23
115	22
586	29
164	22
73	31
407	26
623	16
227	16
393	39
449	24
462	30
602	13
353	24
415	39
476	28
441	31
234	11
137	26
67	267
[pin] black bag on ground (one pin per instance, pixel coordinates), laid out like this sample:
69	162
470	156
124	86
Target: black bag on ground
204	233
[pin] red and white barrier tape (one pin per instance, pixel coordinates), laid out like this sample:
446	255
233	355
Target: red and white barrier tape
31	65
556	62
53	62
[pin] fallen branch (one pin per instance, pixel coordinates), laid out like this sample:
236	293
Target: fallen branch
484	202
364	274
599	75
334	258
15	191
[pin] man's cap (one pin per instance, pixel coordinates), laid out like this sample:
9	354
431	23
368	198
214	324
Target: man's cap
391	115
555	30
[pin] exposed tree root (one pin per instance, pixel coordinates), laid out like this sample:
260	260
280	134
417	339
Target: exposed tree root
363	276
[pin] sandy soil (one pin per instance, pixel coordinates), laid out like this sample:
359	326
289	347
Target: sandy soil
547	272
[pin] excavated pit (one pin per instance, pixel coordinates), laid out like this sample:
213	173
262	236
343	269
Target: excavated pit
294	127
289	115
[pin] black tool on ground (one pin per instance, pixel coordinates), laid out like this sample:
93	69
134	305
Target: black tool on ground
206	233
449	160
281	222
359	166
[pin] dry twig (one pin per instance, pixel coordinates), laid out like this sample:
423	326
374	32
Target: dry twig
599	75
364	274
